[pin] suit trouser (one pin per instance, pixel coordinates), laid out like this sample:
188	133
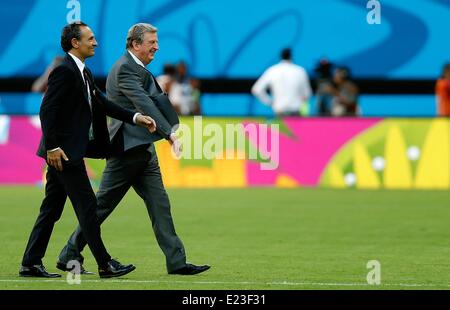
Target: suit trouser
137	168
73	181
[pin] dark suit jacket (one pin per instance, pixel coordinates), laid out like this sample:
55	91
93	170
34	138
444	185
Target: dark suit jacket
133	87
66	116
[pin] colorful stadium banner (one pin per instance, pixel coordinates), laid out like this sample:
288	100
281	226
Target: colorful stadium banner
357	153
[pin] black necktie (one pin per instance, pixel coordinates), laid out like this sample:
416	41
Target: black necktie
88	88
86	80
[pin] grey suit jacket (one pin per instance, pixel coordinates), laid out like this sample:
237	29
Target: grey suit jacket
133	87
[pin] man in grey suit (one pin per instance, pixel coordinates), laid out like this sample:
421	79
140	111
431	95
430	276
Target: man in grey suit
135	163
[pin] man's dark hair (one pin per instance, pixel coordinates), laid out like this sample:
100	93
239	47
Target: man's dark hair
345	72
445	69
323	69
169	69
69	32
286	54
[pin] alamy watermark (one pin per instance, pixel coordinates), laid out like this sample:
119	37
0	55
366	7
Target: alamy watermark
74	275
374	15
231	141
74	15
374	275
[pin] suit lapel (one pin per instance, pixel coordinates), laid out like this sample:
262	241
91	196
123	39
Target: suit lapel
70	60
156	84
147	77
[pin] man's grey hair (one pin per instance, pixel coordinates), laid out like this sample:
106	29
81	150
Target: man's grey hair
136	33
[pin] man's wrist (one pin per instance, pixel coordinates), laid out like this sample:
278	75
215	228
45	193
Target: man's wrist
135	117
52	150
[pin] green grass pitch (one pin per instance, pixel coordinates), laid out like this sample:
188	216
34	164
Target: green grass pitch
260	238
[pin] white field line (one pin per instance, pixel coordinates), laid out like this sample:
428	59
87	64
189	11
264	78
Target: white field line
283	283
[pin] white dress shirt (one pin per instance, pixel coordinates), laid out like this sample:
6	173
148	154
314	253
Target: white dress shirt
137	60
81	67
289	85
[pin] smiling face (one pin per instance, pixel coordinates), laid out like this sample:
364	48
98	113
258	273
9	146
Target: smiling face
85	46
146	50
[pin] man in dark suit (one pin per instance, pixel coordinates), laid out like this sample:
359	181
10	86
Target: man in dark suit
73	118
135	163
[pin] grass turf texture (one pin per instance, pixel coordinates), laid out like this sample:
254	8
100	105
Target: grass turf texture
255	239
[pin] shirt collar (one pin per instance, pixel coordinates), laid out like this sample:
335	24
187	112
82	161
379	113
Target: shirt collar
137	60
79	63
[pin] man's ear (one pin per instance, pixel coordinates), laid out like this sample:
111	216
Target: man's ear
135	44
75	43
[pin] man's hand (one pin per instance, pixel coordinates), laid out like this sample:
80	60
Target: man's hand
177	147
54	158
146	122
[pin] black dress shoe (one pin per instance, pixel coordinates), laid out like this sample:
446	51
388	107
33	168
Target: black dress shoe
63	267
190	269
114	269
36	271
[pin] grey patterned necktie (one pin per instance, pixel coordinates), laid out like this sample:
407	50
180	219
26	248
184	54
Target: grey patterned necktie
88	87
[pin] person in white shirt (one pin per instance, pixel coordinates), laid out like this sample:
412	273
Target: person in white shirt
289	86
166	79
185	92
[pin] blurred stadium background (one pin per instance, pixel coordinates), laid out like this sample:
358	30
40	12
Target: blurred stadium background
346	191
